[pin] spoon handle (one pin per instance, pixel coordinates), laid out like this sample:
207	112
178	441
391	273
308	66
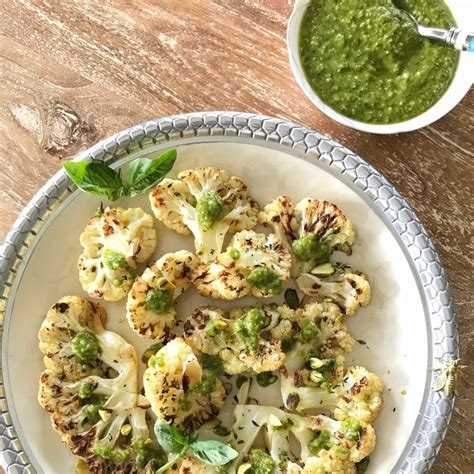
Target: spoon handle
470	44
460	40
455	37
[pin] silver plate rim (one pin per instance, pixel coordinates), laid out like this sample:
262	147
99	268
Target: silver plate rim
302	142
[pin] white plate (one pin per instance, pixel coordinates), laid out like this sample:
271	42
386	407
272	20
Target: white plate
273	157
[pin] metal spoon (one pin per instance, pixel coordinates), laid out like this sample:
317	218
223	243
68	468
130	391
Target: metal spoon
454	36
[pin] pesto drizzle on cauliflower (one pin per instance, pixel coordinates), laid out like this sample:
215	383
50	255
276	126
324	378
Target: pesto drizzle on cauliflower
237	338
313	230
207	203
113	243
253	264
150	303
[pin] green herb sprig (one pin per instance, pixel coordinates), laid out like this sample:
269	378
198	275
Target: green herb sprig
100	179
175	441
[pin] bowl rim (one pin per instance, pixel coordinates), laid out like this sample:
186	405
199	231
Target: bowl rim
303	143
460	85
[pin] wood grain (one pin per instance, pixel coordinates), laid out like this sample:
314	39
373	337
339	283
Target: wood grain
74	72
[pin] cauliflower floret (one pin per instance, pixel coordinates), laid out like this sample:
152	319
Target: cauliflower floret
359	395
317	372
207	203
280	216
348	289
313	229
73	334
317	330
327	222
329	462
90	388
334	338
285	325
113	243
55	336
348	437
180	393
321	442
237	340
314	363
364	395
150	308
253	264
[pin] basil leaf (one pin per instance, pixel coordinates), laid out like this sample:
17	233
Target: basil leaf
170	438
213	452
144	173
95	178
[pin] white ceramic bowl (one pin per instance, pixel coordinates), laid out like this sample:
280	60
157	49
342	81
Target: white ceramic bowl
463	11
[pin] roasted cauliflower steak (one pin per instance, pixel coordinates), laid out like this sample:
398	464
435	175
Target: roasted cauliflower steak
113	242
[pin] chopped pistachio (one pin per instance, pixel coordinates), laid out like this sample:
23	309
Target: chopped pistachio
315	363
244	468
220	323
105	415
325	269
316	377
126	429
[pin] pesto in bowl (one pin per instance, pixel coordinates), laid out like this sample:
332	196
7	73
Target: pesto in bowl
365	59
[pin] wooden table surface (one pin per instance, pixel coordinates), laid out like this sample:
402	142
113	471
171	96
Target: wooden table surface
74	72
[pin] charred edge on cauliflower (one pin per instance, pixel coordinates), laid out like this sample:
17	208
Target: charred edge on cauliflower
359	395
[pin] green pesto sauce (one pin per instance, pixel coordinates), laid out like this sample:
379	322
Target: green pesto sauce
322	440
234	254
110	454
206	386
309	248
114	260
365	59
261	462
86	389
248	328
210	210
93	404
308	332
212	364
85	346
266	279
157	360
159	301
146	451
351	427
